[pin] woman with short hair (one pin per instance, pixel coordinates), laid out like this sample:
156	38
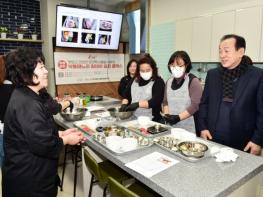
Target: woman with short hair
183	92
32	143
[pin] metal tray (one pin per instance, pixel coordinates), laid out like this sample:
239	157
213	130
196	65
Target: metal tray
179	154
100	141
134	126
89	126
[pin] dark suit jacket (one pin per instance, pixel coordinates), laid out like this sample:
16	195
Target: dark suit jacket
246	115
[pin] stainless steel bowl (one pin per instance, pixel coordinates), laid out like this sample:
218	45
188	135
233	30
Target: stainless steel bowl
76	114
192	149
114	112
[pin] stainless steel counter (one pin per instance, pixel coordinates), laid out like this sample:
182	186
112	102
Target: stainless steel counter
204	178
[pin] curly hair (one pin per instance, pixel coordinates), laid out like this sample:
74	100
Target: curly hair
147	59
21	65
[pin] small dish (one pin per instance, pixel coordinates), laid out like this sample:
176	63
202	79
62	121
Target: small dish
128	144
143	120
113	142
192	149
156	129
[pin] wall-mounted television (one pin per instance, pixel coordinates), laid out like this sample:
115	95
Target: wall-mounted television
85	28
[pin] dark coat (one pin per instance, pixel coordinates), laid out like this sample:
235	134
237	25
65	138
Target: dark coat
246	116
31	147
5	92
125	81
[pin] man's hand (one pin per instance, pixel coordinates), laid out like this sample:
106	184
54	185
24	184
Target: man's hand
206	135
172	119
254	148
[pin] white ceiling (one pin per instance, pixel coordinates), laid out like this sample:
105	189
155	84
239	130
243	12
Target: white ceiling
110	2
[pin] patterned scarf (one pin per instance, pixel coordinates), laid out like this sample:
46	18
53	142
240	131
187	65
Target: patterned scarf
228	77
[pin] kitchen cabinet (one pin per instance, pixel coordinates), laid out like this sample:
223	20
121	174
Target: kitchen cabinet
222	23
248	23
200	36
183	36
201	39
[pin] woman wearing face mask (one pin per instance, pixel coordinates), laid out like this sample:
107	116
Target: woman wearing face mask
183	92
145	94
131	69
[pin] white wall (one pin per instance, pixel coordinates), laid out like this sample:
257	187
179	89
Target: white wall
163	11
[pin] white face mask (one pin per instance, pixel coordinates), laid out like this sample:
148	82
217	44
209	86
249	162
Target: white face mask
177	71
146	75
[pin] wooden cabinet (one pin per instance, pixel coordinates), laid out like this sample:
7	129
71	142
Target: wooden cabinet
222	24
248	24
201	39
183	35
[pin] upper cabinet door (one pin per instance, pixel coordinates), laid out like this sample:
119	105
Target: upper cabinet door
248	25
222	24
183	35
201	39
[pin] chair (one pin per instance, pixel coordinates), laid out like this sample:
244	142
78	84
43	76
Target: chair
74	151
135	190
101	171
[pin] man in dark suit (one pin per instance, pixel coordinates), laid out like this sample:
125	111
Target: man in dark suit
231	108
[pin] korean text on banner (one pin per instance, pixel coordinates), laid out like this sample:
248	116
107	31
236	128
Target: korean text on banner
76	68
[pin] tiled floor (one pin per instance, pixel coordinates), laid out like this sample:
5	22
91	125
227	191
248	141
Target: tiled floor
68	181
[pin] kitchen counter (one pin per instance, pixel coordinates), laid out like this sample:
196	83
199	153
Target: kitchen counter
203	178
107	101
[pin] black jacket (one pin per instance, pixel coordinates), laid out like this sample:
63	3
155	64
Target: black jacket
31	147
53	106
246	116
125	81
5	92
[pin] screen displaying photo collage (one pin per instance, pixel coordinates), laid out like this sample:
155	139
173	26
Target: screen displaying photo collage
87	28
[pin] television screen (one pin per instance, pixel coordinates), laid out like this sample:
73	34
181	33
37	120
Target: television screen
84	28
